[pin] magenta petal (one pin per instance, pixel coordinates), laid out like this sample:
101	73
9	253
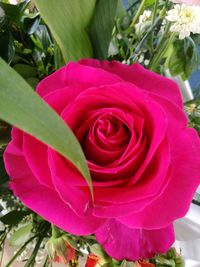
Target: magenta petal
34	151
121	242
56	80
140	77
60	98
75	75
41	199
184	181
67	191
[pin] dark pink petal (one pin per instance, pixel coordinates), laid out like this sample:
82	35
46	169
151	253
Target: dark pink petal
75	75
121	242
140	77
184	180
41	199
60	98
53	82
69	192
34	151
112	201
116	96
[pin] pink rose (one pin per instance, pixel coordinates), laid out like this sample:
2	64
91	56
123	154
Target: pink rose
144	161
187	2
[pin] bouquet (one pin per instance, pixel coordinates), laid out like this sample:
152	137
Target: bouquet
102	156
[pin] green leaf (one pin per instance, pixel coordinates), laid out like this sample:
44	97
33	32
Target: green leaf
101	27
68	20
26	71
22	107
14	217
31	23
7	50
191	56
21	235
184	58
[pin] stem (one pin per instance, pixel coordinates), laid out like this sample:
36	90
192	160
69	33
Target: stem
2	252
3	237
166	3
154	11
139	46
161	48
20	251
31	260
138	13
46	263
152	23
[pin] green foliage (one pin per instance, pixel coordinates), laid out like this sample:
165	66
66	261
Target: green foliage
21	235
184	58
170	259
20	106
26	40
14	217
68	20
101	27
193	111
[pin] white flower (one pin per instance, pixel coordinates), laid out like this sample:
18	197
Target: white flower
185	20
145	16
144	22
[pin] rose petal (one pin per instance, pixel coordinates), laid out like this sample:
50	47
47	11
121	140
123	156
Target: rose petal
65	76
121	242
68	192
60	98
34	151
111	202
41	199
183	183
140	77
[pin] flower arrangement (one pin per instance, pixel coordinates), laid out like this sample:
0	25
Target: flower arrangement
101	153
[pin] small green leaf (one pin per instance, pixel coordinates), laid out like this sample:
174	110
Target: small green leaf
68	20
32	82
21	235
14	217
21	106
26	71
101	27
191	56
30	24
184	58
7	50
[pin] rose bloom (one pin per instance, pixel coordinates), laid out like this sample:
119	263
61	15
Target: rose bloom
187	2
143	159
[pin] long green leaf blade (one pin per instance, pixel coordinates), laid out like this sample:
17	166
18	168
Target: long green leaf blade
68	20
22	107
101	27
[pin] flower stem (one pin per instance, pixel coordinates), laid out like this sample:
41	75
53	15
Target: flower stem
154	11
20	251
161	48
146	36
31	260
138	13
